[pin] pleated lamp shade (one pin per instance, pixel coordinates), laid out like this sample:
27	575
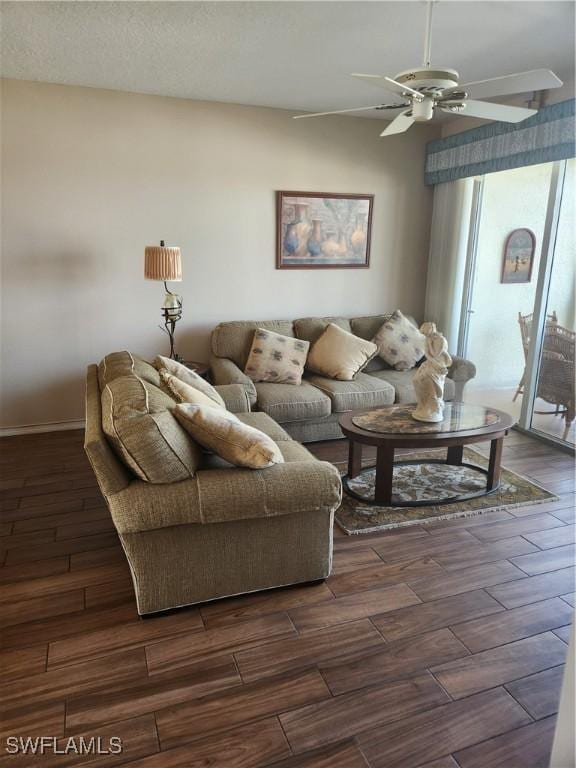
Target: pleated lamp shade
162	262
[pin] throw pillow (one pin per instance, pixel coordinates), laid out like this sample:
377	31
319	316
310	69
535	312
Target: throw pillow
340	355
184	393
399	342
138	420
223	433
276	358
188	377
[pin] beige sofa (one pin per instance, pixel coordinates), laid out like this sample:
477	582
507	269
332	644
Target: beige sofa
311	411
224	531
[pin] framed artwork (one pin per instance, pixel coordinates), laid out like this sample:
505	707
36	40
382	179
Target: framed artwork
323	230
518	256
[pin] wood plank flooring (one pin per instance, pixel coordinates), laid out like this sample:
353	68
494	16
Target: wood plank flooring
439	646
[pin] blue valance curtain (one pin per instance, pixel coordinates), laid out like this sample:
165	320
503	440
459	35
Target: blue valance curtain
545	137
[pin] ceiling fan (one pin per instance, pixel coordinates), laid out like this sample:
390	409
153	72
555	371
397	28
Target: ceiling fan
426	89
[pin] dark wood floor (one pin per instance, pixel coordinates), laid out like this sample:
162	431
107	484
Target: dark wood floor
433	646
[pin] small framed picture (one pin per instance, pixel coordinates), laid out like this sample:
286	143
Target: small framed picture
323	230
518	256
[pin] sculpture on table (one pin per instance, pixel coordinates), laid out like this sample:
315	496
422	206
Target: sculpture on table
429	378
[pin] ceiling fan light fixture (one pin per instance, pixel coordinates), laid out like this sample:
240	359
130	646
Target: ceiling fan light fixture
422	111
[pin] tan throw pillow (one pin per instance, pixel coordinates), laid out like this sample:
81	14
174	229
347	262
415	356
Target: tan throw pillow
184	393
224	433
399	342
276	358
138	420
188	377
340	355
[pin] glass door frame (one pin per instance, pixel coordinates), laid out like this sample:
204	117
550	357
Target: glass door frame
541	298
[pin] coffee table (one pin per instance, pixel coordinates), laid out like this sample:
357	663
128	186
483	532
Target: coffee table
393	427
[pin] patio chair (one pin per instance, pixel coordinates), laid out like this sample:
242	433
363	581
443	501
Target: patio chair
556	376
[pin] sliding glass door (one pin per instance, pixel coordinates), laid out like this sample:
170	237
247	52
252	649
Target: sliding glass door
519	310
552	412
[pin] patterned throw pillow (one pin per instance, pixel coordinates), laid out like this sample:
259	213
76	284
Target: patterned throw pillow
399	342
276	358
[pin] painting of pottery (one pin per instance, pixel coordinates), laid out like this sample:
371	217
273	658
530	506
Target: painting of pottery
318	230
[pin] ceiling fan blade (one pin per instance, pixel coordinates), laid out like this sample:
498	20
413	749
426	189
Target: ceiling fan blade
342	111
522	82
381	81
401	123
405	88
489	111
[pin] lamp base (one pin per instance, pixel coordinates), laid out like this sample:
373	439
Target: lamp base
171	312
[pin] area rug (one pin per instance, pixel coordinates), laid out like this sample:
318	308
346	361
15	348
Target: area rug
420	481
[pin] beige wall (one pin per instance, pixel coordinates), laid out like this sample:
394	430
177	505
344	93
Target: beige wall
90	177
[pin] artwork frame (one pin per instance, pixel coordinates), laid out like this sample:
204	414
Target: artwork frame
518	257
337	234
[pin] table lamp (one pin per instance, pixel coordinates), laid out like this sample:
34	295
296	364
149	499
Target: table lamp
164	263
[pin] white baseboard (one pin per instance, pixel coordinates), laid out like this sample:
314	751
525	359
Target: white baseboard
32	429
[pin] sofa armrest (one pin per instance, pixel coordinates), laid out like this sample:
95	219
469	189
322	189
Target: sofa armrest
225	371
295	486
460	372
235	397
461	369
225	495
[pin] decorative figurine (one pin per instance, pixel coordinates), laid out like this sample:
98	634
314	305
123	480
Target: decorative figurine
429	378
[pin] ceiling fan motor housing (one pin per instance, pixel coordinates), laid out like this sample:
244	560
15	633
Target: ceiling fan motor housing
429	80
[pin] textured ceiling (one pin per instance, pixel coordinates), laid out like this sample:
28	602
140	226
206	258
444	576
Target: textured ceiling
294	55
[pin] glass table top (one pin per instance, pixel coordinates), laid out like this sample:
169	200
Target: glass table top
397	419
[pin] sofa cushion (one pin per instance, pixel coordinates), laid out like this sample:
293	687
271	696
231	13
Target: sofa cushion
399	342
285	402
263	422
233	340
118	364
367	328
362	392
402	383
338	354
138	421
191	378
235	397
184	393
311	328
276	358
224	433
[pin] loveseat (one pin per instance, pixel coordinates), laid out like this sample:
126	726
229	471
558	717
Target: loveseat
224	530
310	411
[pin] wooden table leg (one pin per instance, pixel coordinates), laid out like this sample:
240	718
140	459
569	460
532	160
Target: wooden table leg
384	474
494	464
454	456
354	458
